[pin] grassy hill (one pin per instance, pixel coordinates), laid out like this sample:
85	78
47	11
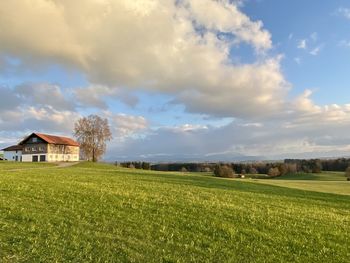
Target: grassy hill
328	182
100	213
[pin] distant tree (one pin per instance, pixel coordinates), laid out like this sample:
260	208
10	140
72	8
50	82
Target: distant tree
252	170
273	172
92	133
207	170
137	165
316	166
347	173
292	168
146	166
224	171
183	170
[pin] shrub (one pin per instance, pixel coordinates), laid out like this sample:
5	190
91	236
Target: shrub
207	170
252	170
316	166
183	170
274	172
224	171
283	169
146	166
347	173
292	168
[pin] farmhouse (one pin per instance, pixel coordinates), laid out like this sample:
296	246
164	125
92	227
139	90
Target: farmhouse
13	153
39	147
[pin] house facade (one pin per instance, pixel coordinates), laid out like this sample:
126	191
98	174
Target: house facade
39	147
13	153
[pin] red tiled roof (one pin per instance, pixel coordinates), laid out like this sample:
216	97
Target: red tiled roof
52	139
13	148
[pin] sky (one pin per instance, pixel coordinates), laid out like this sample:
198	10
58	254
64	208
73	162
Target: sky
181	80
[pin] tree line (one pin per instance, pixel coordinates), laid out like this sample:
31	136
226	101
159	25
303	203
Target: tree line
272	169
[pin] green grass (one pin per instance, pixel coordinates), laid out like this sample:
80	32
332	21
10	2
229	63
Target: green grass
324	176
99	213
7	166
327	182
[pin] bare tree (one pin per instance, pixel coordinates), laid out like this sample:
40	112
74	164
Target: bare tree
273	172
92	133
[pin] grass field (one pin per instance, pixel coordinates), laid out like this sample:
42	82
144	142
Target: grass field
100	213
327	182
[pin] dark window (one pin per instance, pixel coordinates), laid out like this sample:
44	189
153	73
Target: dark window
42	158
16	158
35	158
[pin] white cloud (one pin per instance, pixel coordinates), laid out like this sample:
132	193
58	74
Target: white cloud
169	46
307	131
344	12
226	17
302	44
310	44
29	119
44	94
297	60
96	96
316	50
314	36
344	43
124	126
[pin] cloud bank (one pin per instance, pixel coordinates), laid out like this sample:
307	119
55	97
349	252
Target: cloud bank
176	48
166	46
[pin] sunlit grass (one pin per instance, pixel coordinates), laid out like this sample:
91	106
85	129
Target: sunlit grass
327	182
100	213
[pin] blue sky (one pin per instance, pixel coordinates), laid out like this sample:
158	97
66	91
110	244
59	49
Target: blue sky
292	21
258	74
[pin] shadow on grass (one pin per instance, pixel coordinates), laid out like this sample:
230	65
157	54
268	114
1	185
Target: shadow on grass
251	187
326	176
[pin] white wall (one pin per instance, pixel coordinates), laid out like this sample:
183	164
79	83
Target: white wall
27	157
11	155
52	157
63	157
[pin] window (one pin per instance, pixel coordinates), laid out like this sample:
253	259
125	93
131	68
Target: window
35	139
34	149
41	148
27	149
